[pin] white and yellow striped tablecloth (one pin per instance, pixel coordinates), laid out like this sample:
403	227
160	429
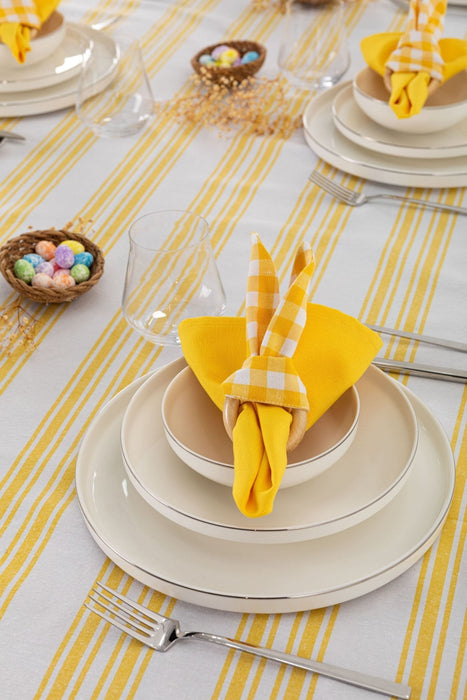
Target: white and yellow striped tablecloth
385	264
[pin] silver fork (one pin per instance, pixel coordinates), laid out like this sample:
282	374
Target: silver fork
160	633
356	199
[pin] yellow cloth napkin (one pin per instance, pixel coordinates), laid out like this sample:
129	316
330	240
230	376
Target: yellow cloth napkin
415	57
17	18
331	354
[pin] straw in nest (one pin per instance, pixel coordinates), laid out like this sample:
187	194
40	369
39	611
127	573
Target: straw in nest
231	74
17	247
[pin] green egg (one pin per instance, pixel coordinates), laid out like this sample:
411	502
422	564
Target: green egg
80	273
24	270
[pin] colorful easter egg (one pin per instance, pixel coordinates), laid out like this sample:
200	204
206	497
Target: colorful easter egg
80	273
45	268
85	258
64	256
42	281
34	259
206	60
46	249
23	270
250	56
229	56
218	51
75	246
62	280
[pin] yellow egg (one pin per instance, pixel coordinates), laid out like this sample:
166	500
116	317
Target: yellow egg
75	246
229	56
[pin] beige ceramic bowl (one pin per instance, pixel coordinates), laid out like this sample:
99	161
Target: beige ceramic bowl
195	431
445	107
47	39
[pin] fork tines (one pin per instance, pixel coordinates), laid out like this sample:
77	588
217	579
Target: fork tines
120	611
331	186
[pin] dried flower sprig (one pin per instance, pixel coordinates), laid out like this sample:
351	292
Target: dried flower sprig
257	105
264	4
17	328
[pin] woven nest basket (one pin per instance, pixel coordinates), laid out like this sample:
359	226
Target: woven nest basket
232	74
15	248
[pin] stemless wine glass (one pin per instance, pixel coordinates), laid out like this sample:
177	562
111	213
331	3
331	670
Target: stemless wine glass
314	50
171	274
122	107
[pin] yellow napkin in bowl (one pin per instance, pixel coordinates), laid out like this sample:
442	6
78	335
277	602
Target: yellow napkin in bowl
18	18
331	353
415	57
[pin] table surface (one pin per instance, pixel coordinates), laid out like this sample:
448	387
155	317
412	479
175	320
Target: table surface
383	263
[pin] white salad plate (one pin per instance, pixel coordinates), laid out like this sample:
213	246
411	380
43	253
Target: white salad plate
328	143
259	578
105	54
63	64
355	125
368	475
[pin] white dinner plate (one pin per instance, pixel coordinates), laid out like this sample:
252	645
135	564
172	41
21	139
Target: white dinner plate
354	124
369	474
62	65
259	578
328	143
105	54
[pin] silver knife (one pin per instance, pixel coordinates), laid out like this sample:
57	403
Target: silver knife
11	135
421	370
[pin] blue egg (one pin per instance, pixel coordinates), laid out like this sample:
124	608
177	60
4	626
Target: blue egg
206	59
84	259
34	259
250	56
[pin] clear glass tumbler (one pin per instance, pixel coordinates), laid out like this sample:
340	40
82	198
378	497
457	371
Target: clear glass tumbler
171	274
121	106
314	49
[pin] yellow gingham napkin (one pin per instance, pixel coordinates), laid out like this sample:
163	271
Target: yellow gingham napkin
294	353
417	61
418	48
273	331
18	18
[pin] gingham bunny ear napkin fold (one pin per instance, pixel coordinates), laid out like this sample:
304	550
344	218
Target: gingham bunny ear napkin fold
18	18
285	355
418	60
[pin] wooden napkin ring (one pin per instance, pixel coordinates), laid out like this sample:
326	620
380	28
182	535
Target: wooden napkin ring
297	428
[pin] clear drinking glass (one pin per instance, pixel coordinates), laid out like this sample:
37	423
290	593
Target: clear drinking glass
314	50
123	106
171	274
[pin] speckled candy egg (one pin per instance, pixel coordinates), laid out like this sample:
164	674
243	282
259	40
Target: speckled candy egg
229	56
75	246
34	259
84	259
62	280
45	268
80	273
46	249
250	56
218	51
42	281
23	270
206	59
64	256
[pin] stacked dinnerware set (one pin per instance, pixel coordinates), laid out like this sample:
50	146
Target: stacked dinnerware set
364	495
48	79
